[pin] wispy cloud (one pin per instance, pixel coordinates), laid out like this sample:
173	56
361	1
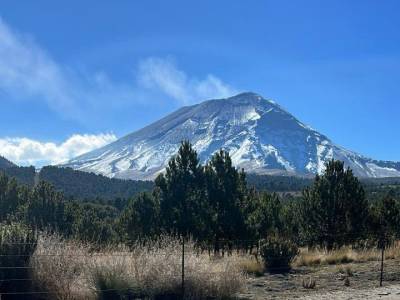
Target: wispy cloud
28	72
163	74
24	151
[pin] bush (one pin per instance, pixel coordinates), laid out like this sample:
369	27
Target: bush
278	254
17	244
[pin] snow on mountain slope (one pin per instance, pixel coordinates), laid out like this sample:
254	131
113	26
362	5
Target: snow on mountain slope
260	136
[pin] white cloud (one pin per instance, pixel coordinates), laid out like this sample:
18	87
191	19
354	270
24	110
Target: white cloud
162	74
24	151
28	72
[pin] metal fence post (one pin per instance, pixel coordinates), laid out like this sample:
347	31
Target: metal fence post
382	258
183	267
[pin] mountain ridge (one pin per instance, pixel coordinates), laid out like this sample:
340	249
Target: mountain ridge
5	163
260	135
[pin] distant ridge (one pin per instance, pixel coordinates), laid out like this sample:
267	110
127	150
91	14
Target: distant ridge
260	136
5	163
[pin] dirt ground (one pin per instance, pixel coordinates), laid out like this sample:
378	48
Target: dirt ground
330	283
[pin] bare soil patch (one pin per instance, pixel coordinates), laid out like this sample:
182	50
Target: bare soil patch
363	279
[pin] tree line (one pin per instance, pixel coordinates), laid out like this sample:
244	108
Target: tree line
214	204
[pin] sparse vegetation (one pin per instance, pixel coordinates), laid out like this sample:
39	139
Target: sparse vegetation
278	254
345	270
309	283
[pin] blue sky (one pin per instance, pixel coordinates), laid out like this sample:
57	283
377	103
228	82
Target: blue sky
76	75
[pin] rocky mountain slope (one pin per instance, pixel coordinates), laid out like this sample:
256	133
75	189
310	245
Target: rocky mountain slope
260	136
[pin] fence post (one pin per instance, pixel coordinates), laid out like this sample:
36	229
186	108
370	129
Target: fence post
183	267
382	258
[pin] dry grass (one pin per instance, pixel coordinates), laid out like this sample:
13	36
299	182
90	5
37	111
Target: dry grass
70	271
343	255
345	270
250	265
58	267
309	284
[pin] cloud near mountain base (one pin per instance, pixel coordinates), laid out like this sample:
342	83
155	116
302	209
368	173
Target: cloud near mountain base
25	151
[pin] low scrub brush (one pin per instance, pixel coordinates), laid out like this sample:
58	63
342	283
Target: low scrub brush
278	254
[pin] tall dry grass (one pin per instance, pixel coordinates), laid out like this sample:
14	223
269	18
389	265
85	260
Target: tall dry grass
60	268
315	257
70	270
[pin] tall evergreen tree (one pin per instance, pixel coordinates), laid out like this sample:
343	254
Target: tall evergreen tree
384	221
226	192
45	208
181	193
334	209
266	215
9	197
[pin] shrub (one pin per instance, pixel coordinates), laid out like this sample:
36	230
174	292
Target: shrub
278	254
17	244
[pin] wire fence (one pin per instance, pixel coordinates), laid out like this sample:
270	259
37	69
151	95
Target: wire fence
378	268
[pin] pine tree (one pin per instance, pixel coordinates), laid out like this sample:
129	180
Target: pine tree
141	217
181	193
45	208
384	219
9	197
226	192
266	215
334	210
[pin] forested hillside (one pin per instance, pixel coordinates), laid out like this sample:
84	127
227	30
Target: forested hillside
98	188
5	163
85	185
278	183
79	185
23	175
374	187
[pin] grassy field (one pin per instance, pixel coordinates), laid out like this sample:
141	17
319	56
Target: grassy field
62	269
71	270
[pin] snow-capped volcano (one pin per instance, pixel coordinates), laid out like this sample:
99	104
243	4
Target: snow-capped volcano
260	136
